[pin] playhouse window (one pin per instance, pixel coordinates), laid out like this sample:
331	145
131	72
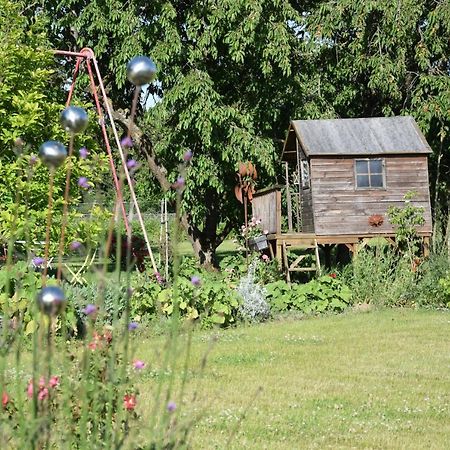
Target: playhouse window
369	173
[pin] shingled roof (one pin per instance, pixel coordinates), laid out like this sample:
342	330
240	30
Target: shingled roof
356	137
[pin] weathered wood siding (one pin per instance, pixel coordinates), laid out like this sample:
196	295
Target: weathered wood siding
340	208
307	211
266	206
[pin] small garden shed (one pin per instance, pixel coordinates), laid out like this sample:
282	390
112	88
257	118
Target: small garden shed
341	176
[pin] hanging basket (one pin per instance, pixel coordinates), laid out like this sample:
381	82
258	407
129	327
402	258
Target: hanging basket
258	243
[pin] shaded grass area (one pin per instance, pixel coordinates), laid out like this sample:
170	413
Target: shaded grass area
226	247
378	380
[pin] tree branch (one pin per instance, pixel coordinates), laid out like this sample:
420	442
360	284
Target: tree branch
138	137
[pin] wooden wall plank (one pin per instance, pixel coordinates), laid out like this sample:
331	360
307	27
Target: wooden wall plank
339	208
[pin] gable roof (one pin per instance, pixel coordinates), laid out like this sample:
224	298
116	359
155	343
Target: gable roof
356	137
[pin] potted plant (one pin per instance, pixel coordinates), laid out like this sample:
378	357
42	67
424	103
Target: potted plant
255	237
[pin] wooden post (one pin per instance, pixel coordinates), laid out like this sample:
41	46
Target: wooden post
161	232
426	246
166	221
288	197
316	249
278	211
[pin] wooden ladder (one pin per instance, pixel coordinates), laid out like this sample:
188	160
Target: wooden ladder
294	266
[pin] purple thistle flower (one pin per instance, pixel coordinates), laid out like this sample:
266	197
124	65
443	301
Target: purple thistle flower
131	164
90	309
187	156
126	142
195	280
38	261
138	364
179	184
171	407
33	160
75	245
83	183
132	326
83	152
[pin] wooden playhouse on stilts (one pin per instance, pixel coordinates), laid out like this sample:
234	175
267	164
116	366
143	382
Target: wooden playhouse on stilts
341	176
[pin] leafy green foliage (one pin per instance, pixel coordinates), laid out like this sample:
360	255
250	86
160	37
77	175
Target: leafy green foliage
213	302
381	58
406	221
319	295
445	285
19	285
223	90
31	93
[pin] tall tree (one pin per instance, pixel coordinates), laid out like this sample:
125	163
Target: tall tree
381	58
227	71
31	98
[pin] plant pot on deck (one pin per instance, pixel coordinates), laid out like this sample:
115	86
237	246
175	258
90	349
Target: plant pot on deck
258	243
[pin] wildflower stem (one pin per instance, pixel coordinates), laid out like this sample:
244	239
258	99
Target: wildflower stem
64	219
49	223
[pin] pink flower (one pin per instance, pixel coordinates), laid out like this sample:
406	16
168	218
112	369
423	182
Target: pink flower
5	399
196	281
333	275
30	389
92	346
265	258
187	156
43	393
138	364
129	402
54	381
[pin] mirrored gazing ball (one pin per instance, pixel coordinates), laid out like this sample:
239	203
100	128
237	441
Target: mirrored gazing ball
74	119
51	300
52	153
141	70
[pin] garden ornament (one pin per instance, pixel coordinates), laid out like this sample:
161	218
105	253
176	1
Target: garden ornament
141	70
51	300
74	119
52	153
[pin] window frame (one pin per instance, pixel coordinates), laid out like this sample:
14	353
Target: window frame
383	174
305	174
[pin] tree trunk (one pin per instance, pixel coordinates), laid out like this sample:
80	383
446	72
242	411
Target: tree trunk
204	242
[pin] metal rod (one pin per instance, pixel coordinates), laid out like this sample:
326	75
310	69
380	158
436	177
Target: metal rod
65	208
74	79
124	163
108	147
67	53
49	224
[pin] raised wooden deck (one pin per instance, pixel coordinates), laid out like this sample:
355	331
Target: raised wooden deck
280	243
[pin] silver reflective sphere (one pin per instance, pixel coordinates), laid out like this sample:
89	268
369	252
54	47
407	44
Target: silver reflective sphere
141	70
74	119
51	300
52	153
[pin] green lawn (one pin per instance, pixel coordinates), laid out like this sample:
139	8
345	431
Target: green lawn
378	380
